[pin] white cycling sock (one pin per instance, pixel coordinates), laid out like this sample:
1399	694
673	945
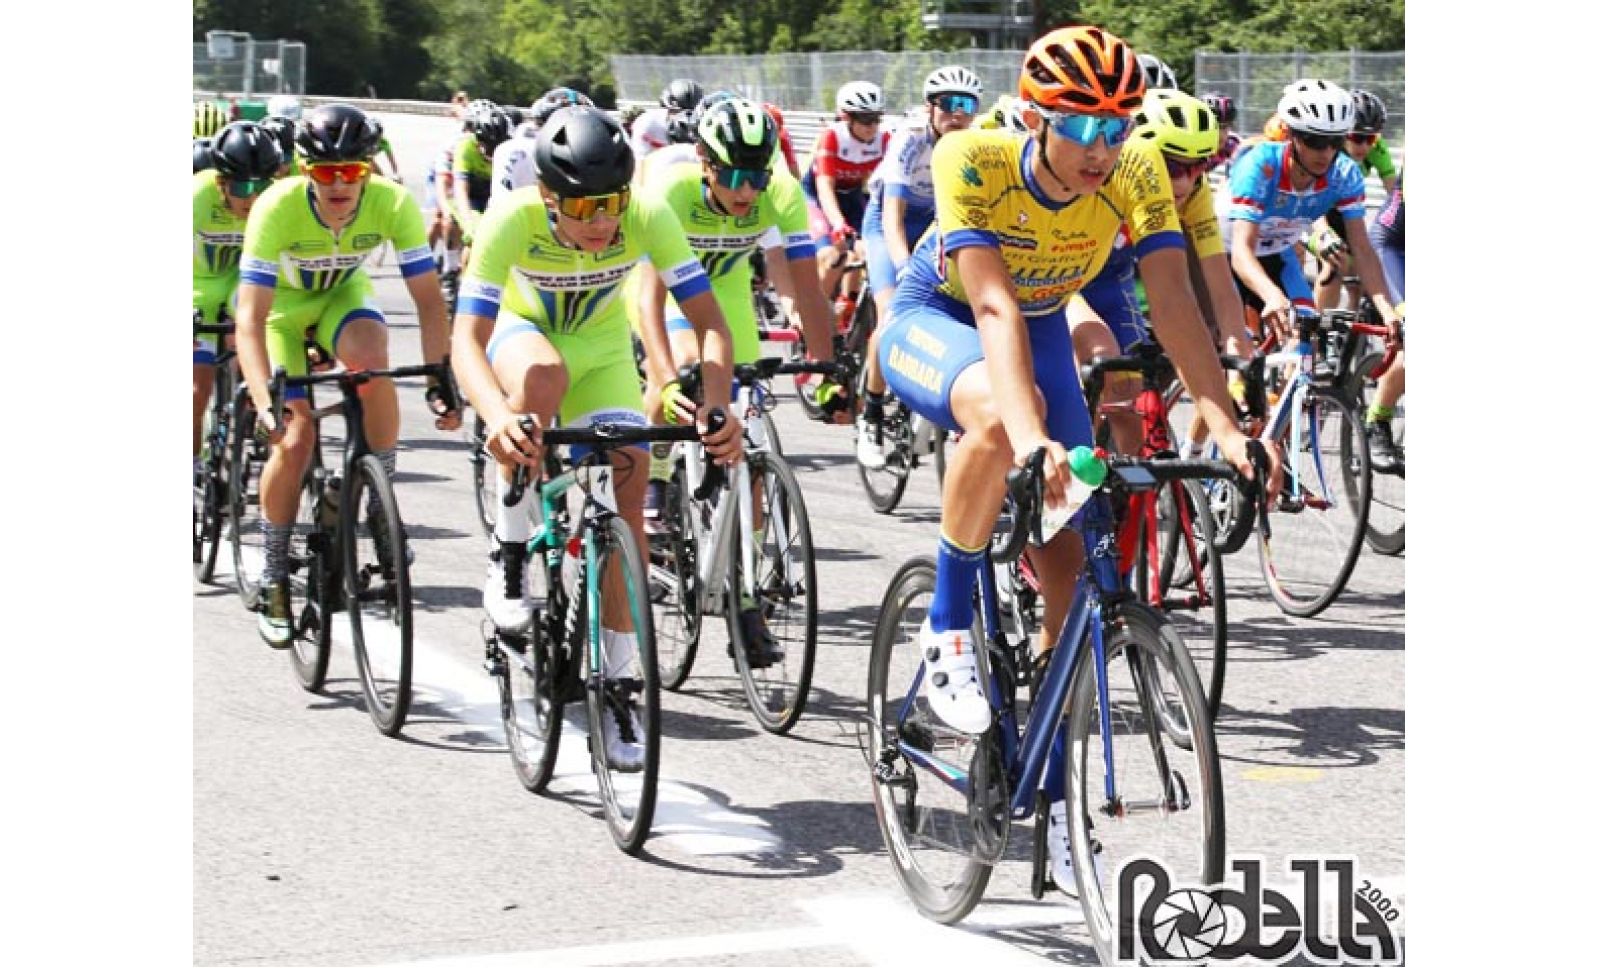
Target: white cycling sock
512	524
452	260
620	649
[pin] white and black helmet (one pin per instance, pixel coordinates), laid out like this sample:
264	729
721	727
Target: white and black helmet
952	80
1316	106
1156	72
860	97
284	106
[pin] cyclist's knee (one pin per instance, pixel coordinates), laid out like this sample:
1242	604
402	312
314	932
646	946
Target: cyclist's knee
299	436
541	389
363	345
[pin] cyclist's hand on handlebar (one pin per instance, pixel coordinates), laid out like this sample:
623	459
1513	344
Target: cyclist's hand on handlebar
676	406
834	400
516	439
1057	472
275	430
1235	449
843	237
726	445
1278	312
446	409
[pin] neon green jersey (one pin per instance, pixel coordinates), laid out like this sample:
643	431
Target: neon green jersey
723	243
286	244
470	163
218	233
1379	160
517	259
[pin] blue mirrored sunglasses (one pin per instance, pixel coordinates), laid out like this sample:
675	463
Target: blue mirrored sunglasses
1083	129
756	178
962	103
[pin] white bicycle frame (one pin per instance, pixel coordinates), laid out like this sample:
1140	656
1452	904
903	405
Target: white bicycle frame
735	497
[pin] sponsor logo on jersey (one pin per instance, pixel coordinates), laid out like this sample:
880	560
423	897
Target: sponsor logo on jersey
367	240
969	175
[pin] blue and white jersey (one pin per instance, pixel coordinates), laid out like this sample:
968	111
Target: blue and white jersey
906	171
513	164
1259	185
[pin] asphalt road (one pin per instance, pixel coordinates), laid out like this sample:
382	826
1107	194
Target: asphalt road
318	841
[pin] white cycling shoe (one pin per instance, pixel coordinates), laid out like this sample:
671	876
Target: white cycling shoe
952	682
510	612
1055	838
868	451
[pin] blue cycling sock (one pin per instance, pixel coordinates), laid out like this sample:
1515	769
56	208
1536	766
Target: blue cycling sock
952	586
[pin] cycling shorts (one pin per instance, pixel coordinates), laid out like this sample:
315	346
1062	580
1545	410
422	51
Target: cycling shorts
602	379
211	293
1284	268
882	273
1115	299
852	205
323	314
1391	251
738	308
933	339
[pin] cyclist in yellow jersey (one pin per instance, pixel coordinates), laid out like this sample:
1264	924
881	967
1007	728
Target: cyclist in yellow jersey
1180	133
540	332
1022	225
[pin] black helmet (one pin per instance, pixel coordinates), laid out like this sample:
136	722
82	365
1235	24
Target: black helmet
202	154
681	95
338	132
1370	112
245	150
1223	107
554	100
490	125
680	128
582	151
283	129
738	134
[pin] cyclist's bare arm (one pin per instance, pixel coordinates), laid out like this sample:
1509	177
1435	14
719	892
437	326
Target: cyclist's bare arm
661	365
816	316
470	361
894	230
1253	274
250	337
829	201
1226	306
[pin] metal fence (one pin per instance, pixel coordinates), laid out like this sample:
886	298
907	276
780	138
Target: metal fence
809	81
251	66
1256	81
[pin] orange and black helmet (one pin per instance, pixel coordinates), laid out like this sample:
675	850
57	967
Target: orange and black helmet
1082	69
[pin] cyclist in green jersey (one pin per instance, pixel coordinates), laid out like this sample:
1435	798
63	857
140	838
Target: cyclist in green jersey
540	332
242	161
487	126
282	128
301	273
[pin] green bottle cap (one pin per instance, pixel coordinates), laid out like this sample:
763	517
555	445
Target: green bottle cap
1087	465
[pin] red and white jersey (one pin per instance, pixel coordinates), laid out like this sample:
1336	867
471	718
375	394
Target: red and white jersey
839	155
649	132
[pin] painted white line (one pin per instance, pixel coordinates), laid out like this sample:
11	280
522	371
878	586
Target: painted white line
886	930
686	819
648	952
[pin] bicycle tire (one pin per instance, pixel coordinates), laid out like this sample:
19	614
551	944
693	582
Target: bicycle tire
531	708
1142	637
1202	626
1304	575
1233	514
678	638
377	582
777	694
887	485
942	899
1386	521
213	490
313	625
245	524
941	439
485	477
769	427
629	823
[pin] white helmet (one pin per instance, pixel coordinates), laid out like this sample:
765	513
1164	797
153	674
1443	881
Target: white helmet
1008	114
1156	72
284	106
860	97
952	80
1317	107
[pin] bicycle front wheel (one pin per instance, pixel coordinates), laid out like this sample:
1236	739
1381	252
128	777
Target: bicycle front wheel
377	581
675	586
924	819
785	599
247	455
1321	517
887	484
530	705
313	627
1189	579
1386	522
627	789
1161	799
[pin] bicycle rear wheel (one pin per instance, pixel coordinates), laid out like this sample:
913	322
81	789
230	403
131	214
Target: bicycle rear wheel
1321	517
531	705
924	821
377	580
785	584
313	625
1386	522
247	455
886	485
674	560
210	500
627	796
1167	801
1195	600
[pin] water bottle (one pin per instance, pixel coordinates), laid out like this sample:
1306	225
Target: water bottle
1088	467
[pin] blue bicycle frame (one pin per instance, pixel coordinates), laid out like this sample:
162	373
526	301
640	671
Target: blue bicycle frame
1026	752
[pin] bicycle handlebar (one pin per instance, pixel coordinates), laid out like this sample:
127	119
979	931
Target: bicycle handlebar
610	436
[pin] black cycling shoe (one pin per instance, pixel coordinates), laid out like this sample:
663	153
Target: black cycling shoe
760	651
1387	457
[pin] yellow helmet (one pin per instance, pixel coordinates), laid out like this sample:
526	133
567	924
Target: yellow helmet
208	119
1180	124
